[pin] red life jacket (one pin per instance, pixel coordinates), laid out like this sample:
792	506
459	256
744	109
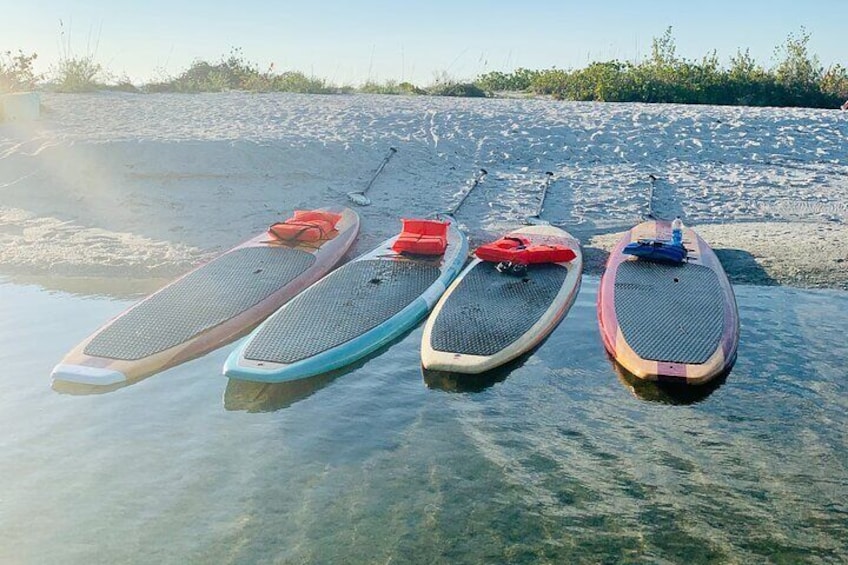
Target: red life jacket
520	251
306	225
422	237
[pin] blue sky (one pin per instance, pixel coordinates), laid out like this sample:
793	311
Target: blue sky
351	42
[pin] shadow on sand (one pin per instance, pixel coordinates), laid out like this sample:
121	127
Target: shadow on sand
742	268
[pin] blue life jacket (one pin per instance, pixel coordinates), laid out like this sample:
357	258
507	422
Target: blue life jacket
663	251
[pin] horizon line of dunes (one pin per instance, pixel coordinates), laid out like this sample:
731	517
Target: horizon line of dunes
798	79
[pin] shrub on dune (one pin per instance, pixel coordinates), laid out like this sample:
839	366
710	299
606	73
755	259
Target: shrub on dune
466	89
16	73
296	81
77	74
390	87
798	79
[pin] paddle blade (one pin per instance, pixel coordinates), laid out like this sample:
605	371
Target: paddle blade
359	198
537	221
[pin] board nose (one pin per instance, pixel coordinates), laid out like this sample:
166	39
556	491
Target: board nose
80	374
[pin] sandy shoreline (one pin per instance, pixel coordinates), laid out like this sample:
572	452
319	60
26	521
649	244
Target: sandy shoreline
801	255
142	188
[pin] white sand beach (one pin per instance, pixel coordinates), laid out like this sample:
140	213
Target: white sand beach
141	188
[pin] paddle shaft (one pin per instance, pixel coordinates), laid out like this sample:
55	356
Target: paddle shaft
549	178
650	214
477	180
386	159
359	197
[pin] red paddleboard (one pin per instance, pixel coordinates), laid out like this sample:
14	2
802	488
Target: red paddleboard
668	321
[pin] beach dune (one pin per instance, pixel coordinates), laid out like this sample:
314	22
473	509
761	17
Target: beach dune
111	186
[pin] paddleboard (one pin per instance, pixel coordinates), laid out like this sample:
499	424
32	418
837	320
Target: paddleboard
668	321
348	314
208	307
488	317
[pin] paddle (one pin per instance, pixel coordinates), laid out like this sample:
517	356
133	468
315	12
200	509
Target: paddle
535	219
477	180
650	215
358	197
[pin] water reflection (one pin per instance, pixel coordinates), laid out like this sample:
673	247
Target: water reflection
667	392
367	462
79	389
249	396
117	287
461	382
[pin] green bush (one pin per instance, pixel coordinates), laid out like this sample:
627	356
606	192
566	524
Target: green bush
518	81
123	85
466	89
231	73
797	80
390	87
77	74
296	81
236	73
16	73
834	83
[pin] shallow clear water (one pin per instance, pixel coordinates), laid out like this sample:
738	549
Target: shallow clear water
557	459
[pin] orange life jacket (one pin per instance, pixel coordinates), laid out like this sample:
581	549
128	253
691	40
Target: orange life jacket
520	251
422	237
306	225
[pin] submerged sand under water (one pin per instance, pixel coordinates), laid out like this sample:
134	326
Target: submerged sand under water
143	187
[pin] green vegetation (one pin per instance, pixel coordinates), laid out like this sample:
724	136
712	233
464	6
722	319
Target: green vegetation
452	88
16	72
521	80
798	79
77	74
390	87
236	73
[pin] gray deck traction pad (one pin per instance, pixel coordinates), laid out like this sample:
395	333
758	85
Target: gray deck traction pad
669	312
489	310
220	290
342	306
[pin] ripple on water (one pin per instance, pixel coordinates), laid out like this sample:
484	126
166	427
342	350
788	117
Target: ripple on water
556	459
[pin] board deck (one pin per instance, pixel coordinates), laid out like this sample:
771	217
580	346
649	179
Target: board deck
208	307
487	318
348	314
673	322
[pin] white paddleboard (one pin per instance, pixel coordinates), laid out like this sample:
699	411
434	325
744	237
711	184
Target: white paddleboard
488	317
